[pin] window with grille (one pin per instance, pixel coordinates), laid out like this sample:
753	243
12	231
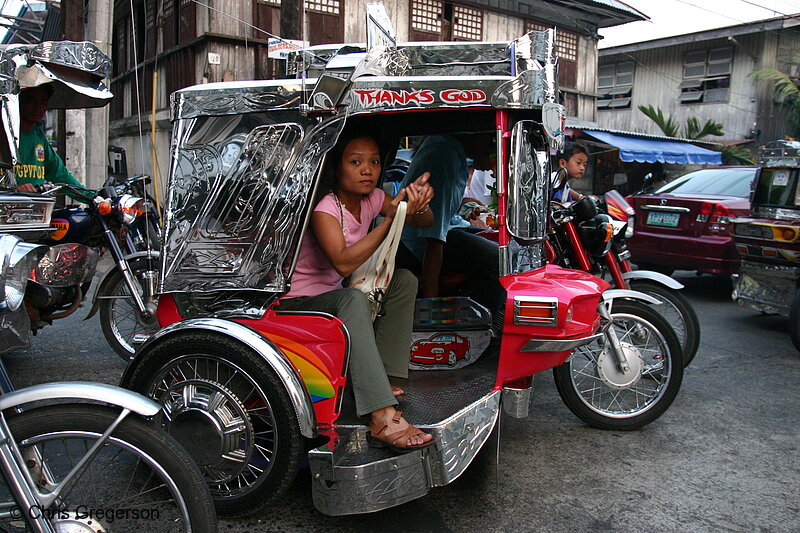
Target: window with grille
426	15
328	7
615	85
566	42
467	23
706	75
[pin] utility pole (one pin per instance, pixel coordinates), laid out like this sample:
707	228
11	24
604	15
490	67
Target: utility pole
72	29
292	19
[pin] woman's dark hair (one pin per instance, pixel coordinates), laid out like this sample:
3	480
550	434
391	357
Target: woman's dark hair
334	157
570	150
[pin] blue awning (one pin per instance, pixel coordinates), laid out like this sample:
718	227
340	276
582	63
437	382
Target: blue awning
652	150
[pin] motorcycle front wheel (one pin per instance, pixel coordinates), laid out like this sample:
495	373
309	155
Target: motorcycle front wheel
122	324
679	313
140	479
597	392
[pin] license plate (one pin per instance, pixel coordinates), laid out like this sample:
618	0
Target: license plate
669	220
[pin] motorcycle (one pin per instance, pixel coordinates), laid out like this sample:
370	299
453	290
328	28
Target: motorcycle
84	456
253	387
118	217
590	235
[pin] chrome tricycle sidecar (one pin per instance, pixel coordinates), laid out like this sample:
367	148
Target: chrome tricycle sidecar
247	387
768	240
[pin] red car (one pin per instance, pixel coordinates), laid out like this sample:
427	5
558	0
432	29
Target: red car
441	348
684	225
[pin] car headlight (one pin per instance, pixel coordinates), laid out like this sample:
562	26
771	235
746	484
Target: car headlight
17	259
130	207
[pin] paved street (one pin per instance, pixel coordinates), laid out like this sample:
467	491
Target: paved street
723	458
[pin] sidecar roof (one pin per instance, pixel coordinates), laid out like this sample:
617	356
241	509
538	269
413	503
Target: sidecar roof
781	153
418	75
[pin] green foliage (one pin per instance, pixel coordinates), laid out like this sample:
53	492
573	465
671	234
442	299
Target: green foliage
667	124
736	155
786	91
694	131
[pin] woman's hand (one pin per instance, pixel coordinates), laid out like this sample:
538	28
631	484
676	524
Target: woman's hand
420	194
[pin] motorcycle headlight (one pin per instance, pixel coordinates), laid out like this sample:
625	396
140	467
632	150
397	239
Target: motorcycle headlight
130	207
17	259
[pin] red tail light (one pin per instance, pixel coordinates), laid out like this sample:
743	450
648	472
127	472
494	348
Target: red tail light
716	216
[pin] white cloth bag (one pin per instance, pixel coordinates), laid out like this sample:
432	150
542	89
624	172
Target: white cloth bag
375	274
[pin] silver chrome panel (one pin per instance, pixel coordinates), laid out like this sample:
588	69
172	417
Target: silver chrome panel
517	402
237	201
765	287
349	477
666	208
558	345
81	390
528	183
304	411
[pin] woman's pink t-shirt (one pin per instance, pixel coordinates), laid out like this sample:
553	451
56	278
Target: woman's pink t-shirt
314	274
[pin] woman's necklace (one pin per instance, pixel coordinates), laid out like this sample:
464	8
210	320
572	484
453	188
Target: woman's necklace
356	212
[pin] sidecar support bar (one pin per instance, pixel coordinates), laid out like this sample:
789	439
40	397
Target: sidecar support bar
558	345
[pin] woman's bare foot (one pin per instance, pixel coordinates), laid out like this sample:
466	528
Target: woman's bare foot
397	391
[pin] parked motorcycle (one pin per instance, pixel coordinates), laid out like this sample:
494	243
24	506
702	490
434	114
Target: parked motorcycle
591	236
84	456
125	296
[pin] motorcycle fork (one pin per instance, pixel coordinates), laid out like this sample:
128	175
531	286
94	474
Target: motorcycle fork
125	269
577	247
615	270
611	337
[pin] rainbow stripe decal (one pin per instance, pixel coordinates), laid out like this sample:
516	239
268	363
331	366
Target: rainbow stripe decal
312	370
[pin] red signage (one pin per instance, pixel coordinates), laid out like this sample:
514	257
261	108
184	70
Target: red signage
387	97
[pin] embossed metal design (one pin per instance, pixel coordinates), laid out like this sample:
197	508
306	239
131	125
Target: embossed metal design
777	213
528	188
765	287
354	478
84	55
238	228
215	99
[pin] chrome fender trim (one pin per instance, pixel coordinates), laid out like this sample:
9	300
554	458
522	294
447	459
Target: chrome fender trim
81	390
272	355
658	277
610	294
558	345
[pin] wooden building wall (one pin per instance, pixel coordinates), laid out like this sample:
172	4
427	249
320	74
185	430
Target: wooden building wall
749	111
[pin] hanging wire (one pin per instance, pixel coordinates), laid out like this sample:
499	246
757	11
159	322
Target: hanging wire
136	79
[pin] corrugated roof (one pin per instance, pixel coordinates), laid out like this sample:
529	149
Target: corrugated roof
578	124
757	26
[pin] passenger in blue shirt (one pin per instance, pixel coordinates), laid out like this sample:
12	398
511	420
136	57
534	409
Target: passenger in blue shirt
443	245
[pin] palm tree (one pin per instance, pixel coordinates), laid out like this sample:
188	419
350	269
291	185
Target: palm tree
692	130
786	91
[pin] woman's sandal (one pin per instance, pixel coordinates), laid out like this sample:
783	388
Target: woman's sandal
377	437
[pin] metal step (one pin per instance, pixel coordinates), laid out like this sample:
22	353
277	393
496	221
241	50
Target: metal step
459	408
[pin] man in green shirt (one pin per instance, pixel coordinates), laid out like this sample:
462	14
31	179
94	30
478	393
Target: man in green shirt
37	161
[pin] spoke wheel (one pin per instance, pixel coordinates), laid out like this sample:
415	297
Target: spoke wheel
228	408
594	388
120	319
678	312
140	480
